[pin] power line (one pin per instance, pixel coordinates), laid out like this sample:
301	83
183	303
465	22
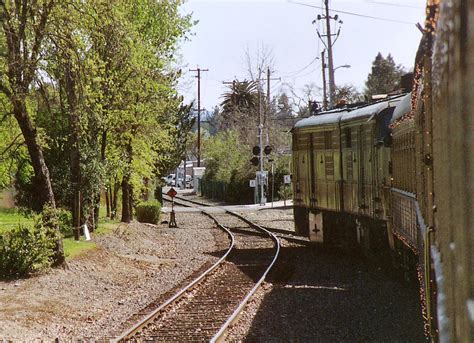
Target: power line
355	14
291	74
300	76
393	4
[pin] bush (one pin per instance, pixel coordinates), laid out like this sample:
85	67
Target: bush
159	193
57	218
149	212
285	192
26	249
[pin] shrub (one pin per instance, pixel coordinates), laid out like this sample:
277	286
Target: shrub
57	218
159	193
285	192
148	212
26	249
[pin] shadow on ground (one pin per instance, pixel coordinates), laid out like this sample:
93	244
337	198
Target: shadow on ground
326	296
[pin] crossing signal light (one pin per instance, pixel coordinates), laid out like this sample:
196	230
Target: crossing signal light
254	160
267	150
256	150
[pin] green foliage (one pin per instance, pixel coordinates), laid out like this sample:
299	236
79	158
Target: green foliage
225	155
281	168
11	218
158	193
385	76
228	169
148	212
73	248
57	218
242	96
26	249
285	192
103	98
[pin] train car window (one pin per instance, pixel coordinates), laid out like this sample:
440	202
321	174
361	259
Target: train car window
348	137
383	132
327	139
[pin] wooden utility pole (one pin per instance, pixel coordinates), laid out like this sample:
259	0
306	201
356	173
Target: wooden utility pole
268	93
328	44
198	76
323	66
332	83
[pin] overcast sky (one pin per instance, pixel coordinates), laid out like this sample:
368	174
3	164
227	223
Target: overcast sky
227	28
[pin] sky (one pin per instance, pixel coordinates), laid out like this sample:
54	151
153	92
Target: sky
228	28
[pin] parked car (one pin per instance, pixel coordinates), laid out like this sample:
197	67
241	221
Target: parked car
189	181
170	180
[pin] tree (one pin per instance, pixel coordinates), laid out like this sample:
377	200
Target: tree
242	96
284	109
347	94
240	110
25	25
385	76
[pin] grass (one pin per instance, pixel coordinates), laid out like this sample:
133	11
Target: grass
73	248
11	218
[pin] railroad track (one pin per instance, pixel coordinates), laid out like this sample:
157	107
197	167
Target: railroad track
203	310
280	233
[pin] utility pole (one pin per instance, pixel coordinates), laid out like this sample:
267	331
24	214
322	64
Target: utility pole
332	83
328	44
323	66
263	199
199	70
268	93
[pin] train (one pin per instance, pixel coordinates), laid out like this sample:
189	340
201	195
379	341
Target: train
395	177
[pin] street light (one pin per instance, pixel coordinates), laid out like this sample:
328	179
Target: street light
324	66
343	66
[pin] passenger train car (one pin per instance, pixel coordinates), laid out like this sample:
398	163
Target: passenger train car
395	177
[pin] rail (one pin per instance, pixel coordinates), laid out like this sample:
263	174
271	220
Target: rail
219	337
142	323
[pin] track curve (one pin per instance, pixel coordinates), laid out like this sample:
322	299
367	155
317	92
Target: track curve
203	310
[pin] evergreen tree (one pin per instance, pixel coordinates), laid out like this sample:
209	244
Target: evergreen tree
384	77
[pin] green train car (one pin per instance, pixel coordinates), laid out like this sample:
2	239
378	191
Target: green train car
396	177
341	174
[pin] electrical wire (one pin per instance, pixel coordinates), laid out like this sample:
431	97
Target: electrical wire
290	74
354	14
393	4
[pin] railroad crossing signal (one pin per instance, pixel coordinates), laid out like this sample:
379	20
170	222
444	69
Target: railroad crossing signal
267	150
172	192
254	160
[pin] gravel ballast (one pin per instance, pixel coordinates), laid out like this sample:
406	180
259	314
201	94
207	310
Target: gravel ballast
312	294
102	288
315	294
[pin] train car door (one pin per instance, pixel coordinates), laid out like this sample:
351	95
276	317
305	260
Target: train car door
361	169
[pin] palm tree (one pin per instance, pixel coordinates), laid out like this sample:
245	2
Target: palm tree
240	110
242	96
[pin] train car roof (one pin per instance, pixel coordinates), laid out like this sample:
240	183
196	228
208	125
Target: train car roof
403	107
347	114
